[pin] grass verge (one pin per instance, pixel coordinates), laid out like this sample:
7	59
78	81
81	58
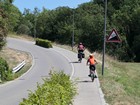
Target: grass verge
120	83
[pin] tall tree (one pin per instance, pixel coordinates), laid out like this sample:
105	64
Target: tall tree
90	20
134	35
3	24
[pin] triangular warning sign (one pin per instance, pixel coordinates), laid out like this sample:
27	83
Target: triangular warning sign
113	37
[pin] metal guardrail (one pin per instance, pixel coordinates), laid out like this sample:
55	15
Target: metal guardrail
18	67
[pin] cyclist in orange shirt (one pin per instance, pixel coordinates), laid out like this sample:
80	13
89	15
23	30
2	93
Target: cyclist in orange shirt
91	62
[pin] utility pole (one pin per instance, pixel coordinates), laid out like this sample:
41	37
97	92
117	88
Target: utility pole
35	21
73	31
104	40
35	27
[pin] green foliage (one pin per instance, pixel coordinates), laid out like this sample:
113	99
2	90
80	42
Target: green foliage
13	18
86	21
134	35
2	42
27	24
136	48
64	32
5	73
43	43
55	25
56	90
3	25
11	15
23	29
125	18
91	25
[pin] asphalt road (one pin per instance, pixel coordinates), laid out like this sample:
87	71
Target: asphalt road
12	93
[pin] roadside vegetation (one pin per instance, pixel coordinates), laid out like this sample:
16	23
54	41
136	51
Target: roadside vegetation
56	90
43	43
5	72
120	82
11	58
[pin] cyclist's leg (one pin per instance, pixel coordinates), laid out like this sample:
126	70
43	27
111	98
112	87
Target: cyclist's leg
95	71
90	69
79	53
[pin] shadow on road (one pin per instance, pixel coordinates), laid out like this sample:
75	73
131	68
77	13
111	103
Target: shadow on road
85	81
75	62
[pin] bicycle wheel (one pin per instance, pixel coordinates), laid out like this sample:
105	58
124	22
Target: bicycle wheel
80	58
92	77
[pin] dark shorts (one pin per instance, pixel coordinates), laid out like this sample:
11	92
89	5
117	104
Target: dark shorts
92	67
80	51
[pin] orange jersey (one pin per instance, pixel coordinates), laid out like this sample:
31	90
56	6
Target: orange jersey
91	61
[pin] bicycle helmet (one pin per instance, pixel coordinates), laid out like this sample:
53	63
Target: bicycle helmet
91	55
80	43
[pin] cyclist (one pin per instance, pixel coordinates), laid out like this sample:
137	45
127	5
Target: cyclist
91	61
80	47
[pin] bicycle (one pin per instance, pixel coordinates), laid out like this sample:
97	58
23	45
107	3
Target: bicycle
80	56
92	75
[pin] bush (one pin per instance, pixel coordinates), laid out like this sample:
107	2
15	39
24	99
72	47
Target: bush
57	90
2	42
43	43
5	73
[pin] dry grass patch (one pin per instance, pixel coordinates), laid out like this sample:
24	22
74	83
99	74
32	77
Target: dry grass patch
23	37
14	57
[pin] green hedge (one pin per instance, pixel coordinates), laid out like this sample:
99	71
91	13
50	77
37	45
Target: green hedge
56	90
2	43
5	73
43	43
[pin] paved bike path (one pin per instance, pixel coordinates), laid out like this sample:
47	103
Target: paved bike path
89	93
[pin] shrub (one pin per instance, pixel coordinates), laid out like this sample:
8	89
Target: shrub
57	90
43	43
5	73
2	42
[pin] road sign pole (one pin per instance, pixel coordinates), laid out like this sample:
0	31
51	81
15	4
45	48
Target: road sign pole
104	40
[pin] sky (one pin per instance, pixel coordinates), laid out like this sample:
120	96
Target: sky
48	4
